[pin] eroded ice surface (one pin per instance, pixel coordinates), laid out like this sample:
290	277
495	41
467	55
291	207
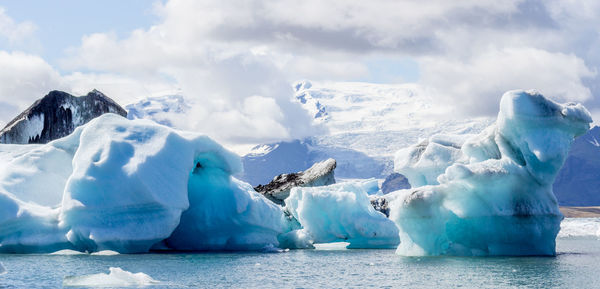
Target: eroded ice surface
494	196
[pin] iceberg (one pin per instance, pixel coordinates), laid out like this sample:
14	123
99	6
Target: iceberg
128	186
339	213
116	277
494	196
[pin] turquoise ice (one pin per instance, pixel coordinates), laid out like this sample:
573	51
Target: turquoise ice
494	195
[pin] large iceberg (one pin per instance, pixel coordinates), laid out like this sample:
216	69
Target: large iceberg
336	213
494	195
123	185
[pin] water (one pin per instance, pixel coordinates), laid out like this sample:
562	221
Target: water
576	266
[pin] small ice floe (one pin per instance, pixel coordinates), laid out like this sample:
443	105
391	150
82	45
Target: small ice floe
332	246
105	253
271	249
67	252
116	278
2	269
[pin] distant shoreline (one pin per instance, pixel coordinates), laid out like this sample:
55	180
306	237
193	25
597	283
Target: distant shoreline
581	212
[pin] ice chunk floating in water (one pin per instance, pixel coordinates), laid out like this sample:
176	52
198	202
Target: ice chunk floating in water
496	199
117	277
131	185
339	212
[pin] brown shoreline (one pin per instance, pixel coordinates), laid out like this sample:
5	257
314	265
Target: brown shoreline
580	212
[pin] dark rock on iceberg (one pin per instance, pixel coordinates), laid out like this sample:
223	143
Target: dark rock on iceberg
320	174
380	204
394	182
56	115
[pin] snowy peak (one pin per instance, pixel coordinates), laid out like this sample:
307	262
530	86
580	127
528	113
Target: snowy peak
366	124
56	115
165	110
310	103
379	119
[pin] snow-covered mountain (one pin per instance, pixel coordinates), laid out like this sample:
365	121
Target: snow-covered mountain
367	124
379	119
578	182
166	110
270	160
56	115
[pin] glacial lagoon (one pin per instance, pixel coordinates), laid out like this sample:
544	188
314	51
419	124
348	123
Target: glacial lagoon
575	266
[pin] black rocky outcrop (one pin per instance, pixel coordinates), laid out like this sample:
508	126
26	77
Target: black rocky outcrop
56	115
380	204
320	174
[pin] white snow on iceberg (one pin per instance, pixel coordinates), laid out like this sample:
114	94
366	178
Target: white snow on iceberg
116	277
496	199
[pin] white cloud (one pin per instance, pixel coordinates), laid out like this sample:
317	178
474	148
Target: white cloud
13	32
24	78
479	82
223	54
332	40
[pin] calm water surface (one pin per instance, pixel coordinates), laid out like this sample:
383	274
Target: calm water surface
576	266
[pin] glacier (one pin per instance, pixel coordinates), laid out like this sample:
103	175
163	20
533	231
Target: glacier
494	195
129	186
366	124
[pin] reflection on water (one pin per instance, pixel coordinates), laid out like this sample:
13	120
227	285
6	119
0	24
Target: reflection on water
576	266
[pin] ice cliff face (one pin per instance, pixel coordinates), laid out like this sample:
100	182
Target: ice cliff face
320	174
56	115
494	195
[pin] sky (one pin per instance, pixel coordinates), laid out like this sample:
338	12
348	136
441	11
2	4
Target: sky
236	60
